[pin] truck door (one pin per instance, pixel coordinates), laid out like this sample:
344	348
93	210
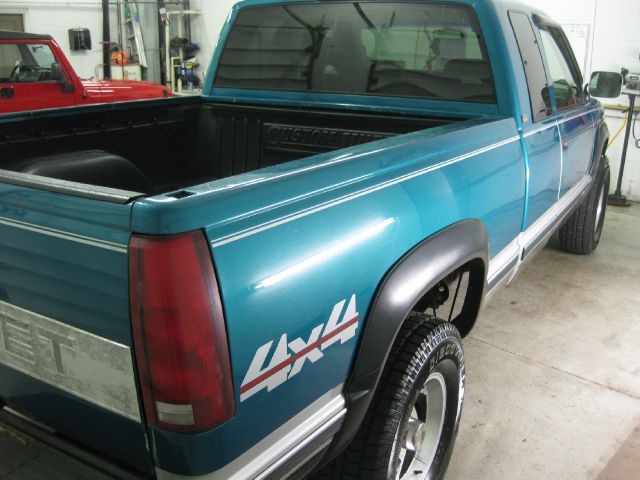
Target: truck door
26	81
575	118
540	131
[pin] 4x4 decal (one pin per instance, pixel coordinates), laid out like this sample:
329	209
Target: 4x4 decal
289	357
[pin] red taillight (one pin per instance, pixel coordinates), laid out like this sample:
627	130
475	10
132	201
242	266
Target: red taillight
179	333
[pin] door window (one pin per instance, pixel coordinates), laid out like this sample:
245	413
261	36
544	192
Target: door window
9	58
25	62
565	83
533	66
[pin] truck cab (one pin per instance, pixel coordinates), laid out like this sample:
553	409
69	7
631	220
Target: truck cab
35	74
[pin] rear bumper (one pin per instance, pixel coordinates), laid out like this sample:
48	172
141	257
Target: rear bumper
28	450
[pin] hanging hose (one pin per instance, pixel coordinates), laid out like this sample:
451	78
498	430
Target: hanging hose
626	118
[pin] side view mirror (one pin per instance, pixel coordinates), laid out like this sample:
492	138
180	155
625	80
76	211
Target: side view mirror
56	73
605	84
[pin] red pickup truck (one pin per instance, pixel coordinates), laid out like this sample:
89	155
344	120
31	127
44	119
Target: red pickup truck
35	74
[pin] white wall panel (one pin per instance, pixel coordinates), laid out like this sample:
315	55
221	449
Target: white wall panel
56	17
206	27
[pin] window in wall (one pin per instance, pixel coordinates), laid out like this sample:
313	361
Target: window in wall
11	22
564	84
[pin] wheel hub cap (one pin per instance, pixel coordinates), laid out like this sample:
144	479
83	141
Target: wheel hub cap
423	430
415	434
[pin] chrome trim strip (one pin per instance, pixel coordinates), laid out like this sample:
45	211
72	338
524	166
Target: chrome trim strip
558	122
218	242
568	199
541	129
577	115
93	368
309	457
537	230
288	439
503	260
52	232
510	258
300	446
501	281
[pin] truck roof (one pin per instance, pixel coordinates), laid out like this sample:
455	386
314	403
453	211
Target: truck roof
247	3
514	3
9	35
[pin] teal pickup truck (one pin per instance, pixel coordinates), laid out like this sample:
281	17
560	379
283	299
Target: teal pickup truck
271	281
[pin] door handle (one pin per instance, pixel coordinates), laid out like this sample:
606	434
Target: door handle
6	92
565	145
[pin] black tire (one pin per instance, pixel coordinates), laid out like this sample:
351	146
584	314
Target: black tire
582	230
426	348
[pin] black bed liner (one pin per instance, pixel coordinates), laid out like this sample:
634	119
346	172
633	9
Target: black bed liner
180	144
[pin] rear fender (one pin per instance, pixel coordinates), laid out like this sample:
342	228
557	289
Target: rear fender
401	289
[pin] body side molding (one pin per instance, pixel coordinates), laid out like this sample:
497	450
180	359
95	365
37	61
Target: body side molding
403	286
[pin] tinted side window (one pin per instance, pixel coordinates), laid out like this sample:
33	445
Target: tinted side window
533	65
564	83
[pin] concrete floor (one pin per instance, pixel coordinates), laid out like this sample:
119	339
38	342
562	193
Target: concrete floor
553	368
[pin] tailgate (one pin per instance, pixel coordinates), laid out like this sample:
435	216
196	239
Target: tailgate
65	335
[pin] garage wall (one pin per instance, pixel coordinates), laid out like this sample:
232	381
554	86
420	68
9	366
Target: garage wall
55	17
206	27
149	20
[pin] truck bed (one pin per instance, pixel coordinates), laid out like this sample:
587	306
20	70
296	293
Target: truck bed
179	143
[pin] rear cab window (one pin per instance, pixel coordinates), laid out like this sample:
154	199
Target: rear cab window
430	51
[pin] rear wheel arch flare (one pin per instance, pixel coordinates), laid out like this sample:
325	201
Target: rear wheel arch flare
467	301
462	244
